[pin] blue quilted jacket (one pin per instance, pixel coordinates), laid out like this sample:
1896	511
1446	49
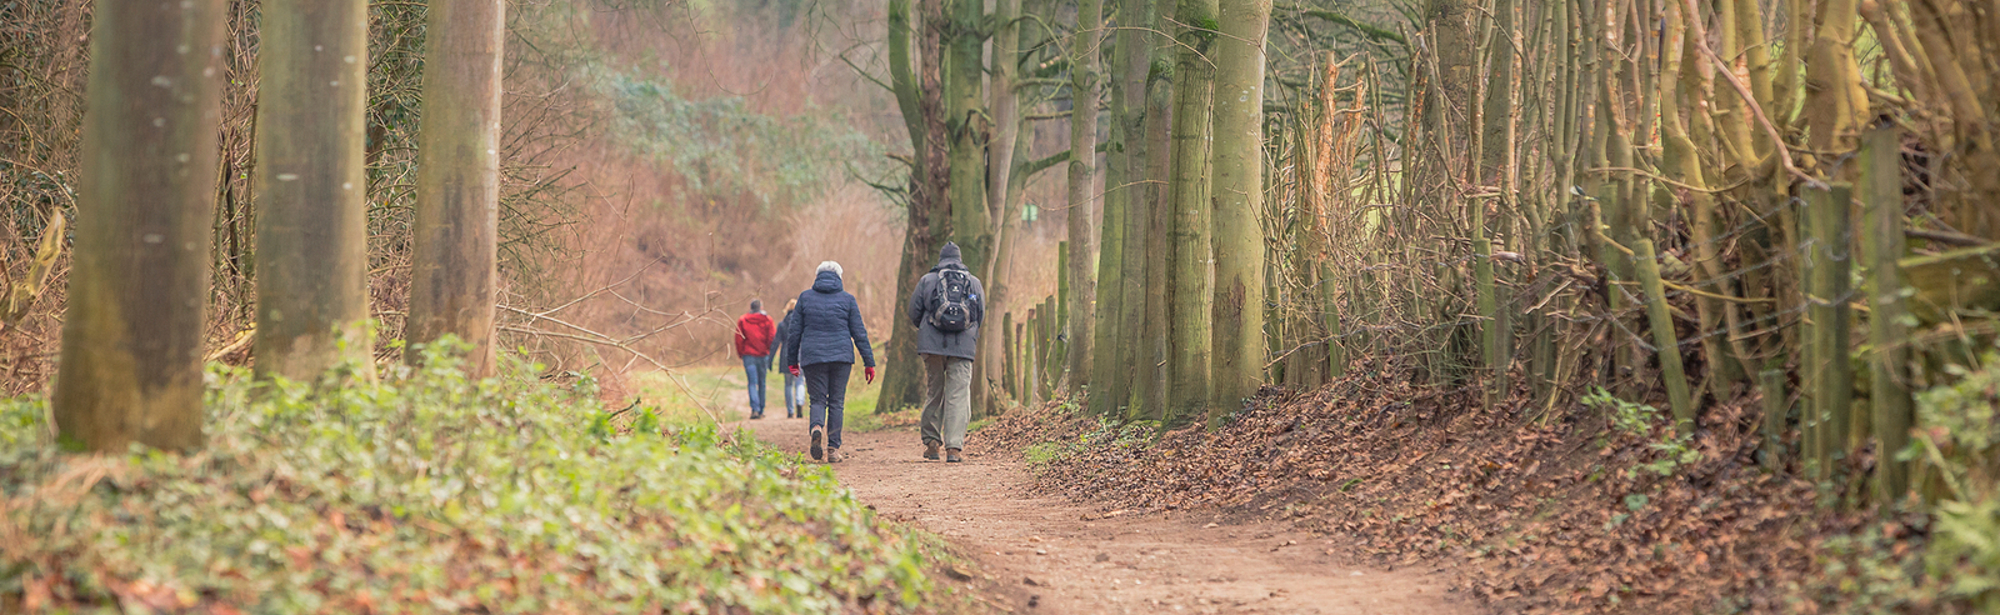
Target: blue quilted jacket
826	326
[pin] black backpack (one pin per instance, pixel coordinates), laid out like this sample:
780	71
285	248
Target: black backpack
955	301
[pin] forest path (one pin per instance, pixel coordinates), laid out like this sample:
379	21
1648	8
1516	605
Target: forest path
1045	555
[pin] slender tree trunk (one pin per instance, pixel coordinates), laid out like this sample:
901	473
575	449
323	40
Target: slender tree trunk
1190	288
1240	344
312	225
1084	89
452	282
1111	363
1150	382
132	338
999	173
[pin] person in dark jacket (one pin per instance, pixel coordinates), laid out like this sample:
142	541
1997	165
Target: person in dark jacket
821	347
795	387
946	308
754	332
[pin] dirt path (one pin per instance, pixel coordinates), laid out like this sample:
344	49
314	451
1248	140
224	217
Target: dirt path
1052	556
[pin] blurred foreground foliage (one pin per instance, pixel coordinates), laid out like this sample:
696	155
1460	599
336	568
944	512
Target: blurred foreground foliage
427	492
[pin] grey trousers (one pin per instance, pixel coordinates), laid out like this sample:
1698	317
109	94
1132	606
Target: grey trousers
947	399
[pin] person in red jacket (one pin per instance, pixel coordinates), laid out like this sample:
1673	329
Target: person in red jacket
753	344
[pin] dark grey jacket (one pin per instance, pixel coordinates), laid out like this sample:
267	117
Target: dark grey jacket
961	344
782	340
826	326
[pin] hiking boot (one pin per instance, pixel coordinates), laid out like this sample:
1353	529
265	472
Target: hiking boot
930	450
756	415
951	456
818	438
833	456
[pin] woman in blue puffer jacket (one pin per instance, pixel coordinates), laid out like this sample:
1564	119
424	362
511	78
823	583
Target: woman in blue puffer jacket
820	346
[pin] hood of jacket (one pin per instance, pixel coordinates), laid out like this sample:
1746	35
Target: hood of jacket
949	257
828	282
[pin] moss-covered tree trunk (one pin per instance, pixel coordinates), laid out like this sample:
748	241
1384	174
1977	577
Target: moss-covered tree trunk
1150	382
919	96
453	268
1190	286
1084	89
1240	344
312	225
1120	346
969	128
132	338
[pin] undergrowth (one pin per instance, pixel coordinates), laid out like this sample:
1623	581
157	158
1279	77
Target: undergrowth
428	492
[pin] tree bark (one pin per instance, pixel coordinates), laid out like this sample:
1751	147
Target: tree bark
454	265
1084	89
1190	287
132	338
1240	344
312	224
929	220
1150	382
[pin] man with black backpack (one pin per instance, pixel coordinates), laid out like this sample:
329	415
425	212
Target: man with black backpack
946	309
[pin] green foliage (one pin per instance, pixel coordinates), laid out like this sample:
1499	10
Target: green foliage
1961	431
442	494
722	148
1106	432
1641	420
1957	444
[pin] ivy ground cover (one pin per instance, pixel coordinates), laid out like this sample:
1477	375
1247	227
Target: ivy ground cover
426	492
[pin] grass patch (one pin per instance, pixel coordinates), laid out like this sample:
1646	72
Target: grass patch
712	386
428	492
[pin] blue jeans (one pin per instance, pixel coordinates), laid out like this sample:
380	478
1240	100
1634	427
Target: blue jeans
795	393
827	384
755	368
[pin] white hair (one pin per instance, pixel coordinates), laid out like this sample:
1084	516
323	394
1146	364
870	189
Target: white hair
830	266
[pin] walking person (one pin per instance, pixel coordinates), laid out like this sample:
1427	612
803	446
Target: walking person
754	332
946	308
821	348
795	387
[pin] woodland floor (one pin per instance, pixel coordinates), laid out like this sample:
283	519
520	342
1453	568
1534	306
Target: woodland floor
1036	554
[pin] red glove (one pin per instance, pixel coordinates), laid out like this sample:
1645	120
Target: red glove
794	369
868	374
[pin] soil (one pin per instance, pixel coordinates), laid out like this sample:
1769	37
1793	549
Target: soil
1034	554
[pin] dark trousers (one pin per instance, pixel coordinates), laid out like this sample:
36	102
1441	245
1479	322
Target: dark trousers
826	384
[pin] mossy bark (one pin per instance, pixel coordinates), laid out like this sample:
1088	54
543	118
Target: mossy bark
138	285
1190	259
454	264
1240	345
1081	296
312	224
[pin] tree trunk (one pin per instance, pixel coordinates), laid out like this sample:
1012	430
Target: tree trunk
452	281
928	220
312	225
1084	88
1189	290
1150	382
132	339
969	129
999	185
1240	343
1134	57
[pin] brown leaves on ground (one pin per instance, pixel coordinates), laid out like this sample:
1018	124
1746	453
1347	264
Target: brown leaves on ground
1541	516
